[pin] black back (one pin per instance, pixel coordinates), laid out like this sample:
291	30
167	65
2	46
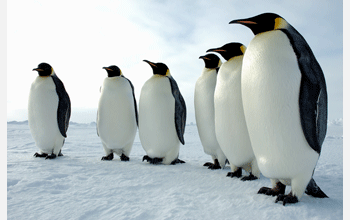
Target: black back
180	110
64	106
313	91
135	105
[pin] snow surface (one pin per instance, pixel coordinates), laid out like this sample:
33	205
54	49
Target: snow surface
81	186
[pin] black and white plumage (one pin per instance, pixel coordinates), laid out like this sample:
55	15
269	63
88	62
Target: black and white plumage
117	115
49	111
285	103
162	116
230	124
204	110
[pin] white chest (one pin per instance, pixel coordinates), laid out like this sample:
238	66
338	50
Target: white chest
156	117
42	109
270	95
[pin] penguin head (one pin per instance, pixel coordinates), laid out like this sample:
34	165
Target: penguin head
44	69
159	68
113	71
229	50
211	61
263	23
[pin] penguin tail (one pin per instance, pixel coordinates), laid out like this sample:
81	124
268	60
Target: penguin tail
314	190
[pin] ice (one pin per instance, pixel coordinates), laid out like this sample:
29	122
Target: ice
81	186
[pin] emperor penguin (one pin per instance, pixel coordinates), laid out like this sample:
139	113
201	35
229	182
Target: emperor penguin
285	103
117	116
162	117
49	110
204	110
230	124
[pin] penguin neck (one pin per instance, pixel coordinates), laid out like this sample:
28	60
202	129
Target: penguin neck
114	77
52	73
209	71
231	67
235	59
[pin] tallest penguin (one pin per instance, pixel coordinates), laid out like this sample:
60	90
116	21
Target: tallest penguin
285	104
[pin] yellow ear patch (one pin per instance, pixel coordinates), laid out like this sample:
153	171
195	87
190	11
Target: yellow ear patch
243	48
280	23
168	73
219	64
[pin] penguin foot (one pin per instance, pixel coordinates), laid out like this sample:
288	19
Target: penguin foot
213	166
314	190
177	160
60	154
277	190
249	178
207	164
40	155
237	173
287	198
108	157
152	160
124	158
51	156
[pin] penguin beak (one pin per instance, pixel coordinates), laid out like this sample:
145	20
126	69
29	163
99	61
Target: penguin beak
150	63
37	69
216	50
204	58
244	22
106	68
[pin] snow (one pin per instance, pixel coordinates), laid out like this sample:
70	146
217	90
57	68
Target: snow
81	186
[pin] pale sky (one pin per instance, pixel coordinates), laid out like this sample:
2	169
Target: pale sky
78	38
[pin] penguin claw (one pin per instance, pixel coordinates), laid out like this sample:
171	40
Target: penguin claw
40	155
152	160
124	158
237	173
249	178
286	199
108	157
207	164
214	167
51	156
277	190
177	160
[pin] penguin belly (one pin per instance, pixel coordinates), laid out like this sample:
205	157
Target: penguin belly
116	122
205	117
270	91
230	124
156	120
42	115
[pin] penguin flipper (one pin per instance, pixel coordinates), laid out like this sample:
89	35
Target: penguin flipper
180	110
313	113
135	104
313	91
64	106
